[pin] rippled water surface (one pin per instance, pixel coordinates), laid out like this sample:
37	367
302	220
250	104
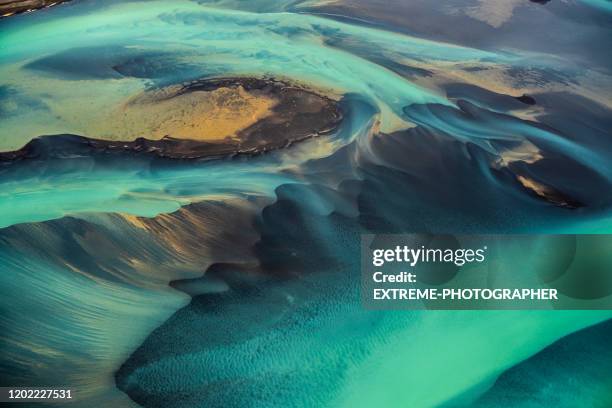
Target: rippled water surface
142	279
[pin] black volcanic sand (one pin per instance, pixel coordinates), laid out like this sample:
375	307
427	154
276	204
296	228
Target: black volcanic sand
565	181
534	25
300	114
10	7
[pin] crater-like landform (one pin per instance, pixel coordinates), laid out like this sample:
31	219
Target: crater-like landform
202	119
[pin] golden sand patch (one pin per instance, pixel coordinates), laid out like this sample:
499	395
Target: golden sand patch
196	115
538	188
526	152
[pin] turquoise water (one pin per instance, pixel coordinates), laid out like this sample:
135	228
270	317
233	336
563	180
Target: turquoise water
86	297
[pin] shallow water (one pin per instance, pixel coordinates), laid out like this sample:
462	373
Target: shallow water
433	138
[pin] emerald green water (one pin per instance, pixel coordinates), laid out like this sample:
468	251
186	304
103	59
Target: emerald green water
84	291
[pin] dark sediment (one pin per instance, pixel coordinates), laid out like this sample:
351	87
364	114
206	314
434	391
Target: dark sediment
300	114
526	99
10	7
